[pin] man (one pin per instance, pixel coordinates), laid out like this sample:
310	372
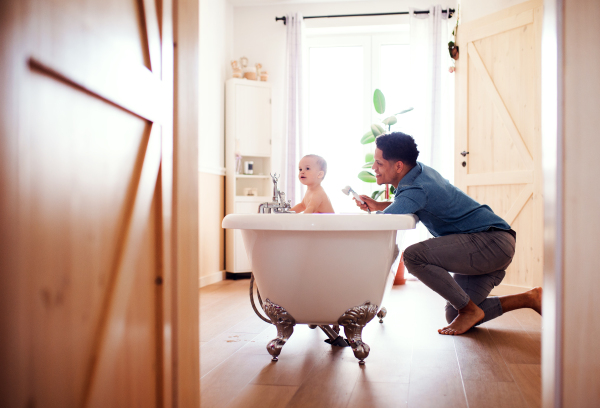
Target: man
470	240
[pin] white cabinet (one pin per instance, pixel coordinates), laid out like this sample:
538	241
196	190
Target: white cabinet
248	136
252	115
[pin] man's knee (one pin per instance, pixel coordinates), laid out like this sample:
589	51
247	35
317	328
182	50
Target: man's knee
498	277
412	255
451	313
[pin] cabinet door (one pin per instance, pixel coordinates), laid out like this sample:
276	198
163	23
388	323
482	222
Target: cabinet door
241	261
253	120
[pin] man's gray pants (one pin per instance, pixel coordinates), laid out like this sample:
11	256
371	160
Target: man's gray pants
477	261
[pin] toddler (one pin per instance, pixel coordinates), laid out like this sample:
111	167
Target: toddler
312	170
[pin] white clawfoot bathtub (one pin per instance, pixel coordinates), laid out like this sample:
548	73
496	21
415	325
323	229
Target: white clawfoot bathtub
321	269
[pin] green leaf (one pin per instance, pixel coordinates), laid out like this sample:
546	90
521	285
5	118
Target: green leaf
367	138
379	101
392	190
369	157
367	177
404	111
368	165
377	129
390	121
376	194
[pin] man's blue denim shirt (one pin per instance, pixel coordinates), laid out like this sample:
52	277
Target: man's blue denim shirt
441	207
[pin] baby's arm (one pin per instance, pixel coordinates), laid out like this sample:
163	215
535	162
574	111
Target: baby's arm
298	208
315	201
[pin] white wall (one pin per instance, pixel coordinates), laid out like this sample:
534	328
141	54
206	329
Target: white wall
216	50
473	9
258	37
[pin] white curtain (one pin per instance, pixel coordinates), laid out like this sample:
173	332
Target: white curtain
432	96
433	88
293	97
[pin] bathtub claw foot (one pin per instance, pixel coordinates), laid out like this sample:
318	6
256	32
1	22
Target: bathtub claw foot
285	327
354	320
381	314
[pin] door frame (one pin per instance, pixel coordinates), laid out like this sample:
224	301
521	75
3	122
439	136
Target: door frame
553	165
185	238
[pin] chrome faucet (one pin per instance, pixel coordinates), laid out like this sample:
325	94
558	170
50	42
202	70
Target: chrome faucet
278	205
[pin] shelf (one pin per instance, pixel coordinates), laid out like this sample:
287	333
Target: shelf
255	176
261	199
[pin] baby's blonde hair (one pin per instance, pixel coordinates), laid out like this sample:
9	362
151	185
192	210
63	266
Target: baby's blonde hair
320	161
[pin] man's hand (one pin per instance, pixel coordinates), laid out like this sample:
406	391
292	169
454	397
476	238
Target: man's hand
372	204
369	202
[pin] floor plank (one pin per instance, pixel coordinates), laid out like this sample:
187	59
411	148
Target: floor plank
529	320
264	396
435	380
330	383
220	348
486	394
224	383
381	395
479	358
529	379
512	341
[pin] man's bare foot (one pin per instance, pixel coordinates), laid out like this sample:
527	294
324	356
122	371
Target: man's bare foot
467	317
536	299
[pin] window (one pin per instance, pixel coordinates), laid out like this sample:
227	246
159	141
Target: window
342	72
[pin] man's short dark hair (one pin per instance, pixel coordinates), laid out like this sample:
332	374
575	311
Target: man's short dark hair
398	146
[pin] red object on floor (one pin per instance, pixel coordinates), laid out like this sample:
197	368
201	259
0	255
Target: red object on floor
400	280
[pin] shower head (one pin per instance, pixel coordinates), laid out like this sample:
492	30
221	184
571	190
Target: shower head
347	190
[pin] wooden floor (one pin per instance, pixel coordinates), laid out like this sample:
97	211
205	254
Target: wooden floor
410	364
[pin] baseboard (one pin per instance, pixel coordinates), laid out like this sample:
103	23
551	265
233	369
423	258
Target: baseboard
503	290
238	275
212	278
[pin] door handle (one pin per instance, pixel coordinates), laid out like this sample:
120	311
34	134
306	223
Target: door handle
464	154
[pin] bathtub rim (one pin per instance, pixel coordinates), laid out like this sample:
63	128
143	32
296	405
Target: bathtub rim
320	222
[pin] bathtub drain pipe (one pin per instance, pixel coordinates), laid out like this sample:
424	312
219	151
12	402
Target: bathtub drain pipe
259	299
334	338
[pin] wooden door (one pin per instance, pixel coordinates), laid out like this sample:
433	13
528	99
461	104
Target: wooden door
498	124
85	203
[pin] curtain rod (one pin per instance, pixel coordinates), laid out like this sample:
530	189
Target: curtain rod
450	12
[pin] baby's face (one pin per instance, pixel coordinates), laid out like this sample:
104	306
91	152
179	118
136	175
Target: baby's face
309	171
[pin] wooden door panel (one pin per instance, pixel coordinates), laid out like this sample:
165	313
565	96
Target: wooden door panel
509	58
492	151
105	32
132	368
80	187
88	287
498	123
121	290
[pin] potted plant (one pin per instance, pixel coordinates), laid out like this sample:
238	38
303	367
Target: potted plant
369	137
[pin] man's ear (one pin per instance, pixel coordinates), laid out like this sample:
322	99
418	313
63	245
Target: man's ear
399	166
